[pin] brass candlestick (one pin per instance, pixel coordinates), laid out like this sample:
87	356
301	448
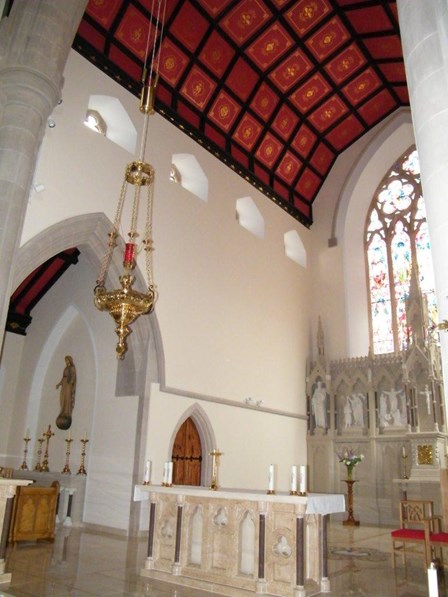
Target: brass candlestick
24	466
38	466
82	469
404	468
66	470
47	435
215	454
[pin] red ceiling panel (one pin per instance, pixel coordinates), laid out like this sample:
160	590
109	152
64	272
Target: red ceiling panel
345	64
242	79
308	184
394	71
172	63
224	111
192	35
104	13
285	122
384	47
328	113
328	39
376	108
322	158
215	7
265	102
269	150
248	132
369	19
345	132
292	70
216	54
270	46
198	88
245	20
362	86
310	93
275	88
304	141
289	167
305	15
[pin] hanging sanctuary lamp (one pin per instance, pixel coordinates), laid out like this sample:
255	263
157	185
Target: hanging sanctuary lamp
125	304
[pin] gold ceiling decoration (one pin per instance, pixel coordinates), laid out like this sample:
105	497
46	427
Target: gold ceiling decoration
125	304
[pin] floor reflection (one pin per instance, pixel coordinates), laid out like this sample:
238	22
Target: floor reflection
85	564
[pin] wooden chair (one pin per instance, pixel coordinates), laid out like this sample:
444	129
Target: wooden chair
435	541
416	522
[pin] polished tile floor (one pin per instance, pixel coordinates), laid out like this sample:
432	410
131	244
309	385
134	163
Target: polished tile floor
84	564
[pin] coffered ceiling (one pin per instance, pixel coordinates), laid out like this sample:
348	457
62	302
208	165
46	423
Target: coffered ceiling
276	89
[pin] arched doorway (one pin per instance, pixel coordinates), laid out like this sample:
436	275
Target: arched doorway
187	455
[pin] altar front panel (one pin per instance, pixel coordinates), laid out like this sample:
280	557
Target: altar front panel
233	542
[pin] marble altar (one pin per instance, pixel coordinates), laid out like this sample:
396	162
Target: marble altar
238	542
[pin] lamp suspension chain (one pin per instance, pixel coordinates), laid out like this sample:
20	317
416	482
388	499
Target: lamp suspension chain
126	304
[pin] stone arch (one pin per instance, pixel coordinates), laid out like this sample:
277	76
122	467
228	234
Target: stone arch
391	140
89	233
206	433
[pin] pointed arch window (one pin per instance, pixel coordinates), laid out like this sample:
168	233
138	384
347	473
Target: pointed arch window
396	236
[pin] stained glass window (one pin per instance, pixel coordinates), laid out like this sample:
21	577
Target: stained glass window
396	237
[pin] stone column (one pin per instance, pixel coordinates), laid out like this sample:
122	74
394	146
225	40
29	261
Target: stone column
424	35
34	44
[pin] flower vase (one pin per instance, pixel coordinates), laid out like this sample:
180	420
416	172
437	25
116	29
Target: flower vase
349	474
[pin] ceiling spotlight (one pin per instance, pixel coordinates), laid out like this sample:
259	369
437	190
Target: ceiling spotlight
51	123
95	121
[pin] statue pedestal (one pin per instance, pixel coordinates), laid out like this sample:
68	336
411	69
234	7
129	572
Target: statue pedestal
350	520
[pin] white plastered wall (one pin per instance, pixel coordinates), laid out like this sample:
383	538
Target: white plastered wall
233	313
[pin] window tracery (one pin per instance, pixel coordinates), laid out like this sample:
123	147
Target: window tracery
396	236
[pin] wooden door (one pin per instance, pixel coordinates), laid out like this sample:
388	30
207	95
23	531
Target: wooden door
187	455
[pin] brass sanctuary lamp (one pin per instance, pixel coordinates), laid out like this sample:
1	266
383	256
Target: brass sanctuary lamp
125	304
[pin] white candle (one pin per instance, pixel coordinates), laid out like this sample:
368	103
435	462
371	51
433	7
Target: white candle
147	475
85	435
302	478
165	473
69	437
170	473
294	478
433	585
27	433
403	452
271	479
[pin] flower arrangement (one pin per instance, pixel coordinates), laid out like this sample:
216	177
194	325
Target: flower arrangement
350	459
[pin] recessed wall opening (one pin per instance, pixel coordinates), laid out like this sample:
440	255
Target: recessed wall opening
106	115
186	171
249	216
294	248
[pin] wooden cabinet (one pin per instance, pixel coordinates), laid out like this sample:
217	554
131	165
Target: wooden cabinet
34	513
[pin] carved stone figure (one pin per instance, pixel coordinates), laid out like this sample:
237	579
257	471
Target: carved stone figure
348	413
67	394
392	411
357	401
319	405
